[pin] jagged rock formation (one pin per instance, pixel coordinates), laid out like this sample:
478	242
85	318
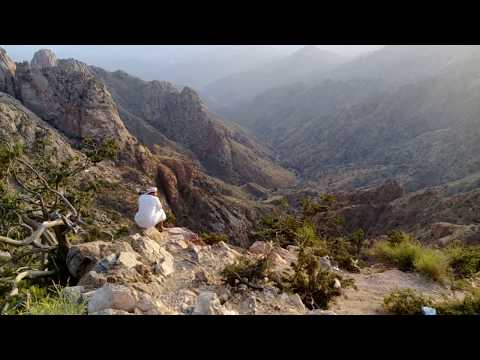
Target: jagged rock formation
181	116
7	73
44	58
73	104
67	95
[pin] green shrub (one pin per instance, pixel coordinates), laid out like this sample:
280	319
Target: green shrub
121	232
246	269
47	301
405	302
357	239
432	263
470	305
343	251
213	238
409	255
315	285
408	302
464	260
402	254
398	237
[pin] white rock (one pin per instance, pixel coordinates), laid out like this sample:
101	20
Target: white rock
208	304
153	253
229	312
112	296
128	259
150	306
166	263
296	301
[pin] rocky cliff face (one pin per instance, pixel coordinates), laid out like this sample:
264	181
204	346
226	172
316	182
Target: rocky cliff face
44	58
68	98
7	73
225	152
67	95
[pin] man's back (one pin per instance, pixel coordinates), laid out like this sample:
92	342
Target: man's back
148	208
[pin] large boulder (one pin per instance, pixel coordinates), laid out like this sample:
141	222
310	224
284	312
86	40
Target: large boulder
153	253
112	296
208	303
84	257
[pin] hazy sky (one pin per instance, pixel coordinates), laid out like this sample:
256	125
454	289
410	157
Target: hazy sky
193	65
171	52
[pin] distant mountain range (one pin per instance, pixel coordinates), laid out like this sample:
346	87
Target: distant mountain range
244	86
409	112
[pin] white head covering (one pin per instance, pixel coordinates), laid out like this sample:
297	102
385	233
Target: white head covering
151	190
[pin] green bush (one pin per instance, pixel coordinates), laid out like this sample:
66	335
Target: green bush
246	269
470	305
402	254
409	255
343	251
464	260
432	263
213	238
121	232
315	285
405	302
47	301
408	302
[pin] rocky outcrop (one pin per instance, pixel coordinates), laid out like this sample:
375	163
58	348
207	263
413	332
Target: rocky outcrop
181	116
44	58
69	97
7	73
121	277
389	191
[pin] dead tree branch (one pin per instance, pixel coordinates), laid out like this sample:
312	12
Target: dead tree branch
35	236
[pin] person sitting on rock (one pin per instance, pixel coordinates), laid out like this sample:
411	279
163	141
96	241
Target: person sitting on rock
150	211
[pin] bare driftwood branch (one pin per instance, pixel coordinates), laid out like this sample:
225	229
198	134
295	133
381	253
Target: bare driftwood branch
48	235
35	236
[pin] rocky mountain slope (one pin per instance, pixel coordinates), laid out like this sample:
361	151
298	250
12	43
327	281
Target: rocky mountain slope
68	97
399	119
182	118
244	86
173	273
